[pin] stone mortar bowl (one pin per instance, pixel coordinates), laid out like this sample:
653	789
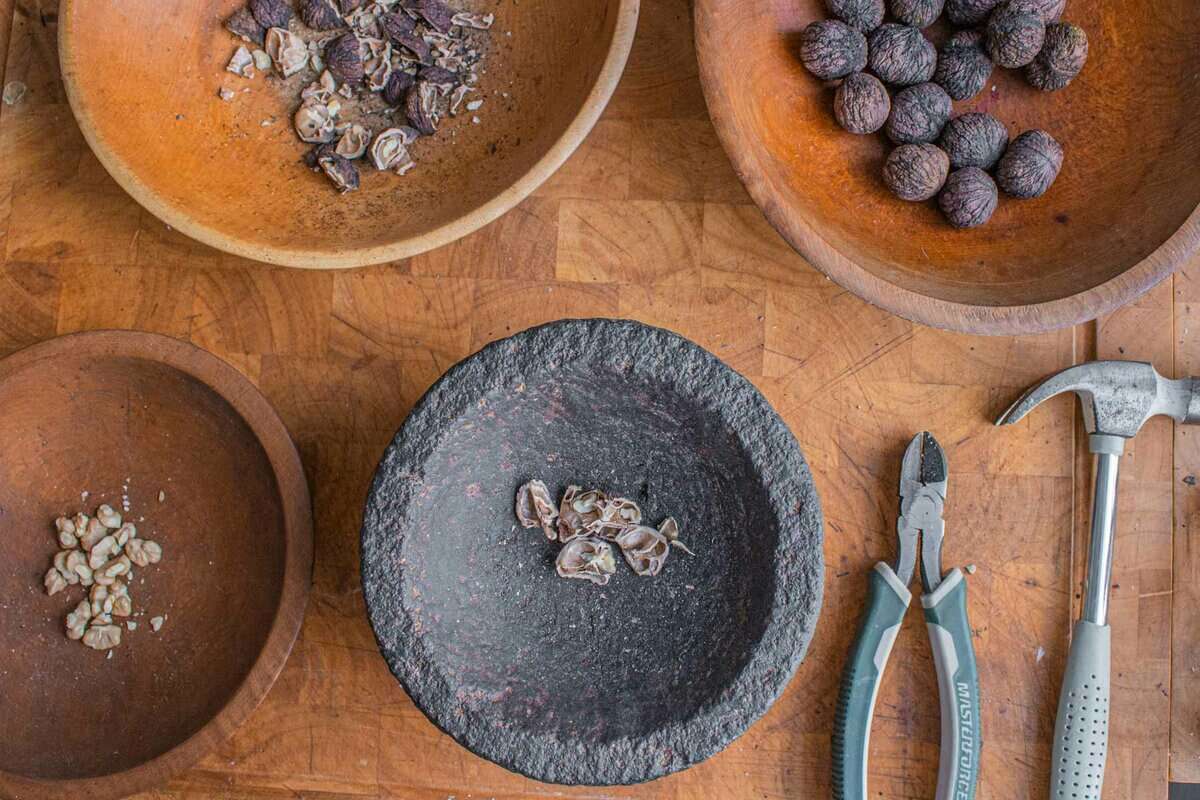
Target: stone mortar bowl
563	680
1122	215
150	111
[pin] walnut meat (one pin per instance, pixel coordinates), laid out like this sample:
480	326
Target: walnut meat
969	197
535	506
1061	58
862	15
963	66
645	549
862	103
587	559
831	49
1030	164
916	172
967	13
974	139
918	114
1015	33
917	13
343	58
901	55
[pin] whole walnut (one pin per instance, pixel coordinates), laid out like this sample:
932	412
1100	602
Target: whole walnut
1030	164
969	198
831	49
343	58
1062	57
863	15
1015	33
916	171
1049	10
917	13
861	104
320	15
968	13
271	13
963	66
901	55
974	139
918	114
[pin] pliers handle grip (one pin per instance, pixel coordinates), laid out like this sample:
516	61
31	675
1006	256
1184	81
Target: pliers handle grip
958	684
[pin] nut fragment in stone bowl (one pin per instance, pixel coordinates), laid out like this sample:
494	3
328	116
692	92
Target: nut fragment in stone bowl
969	197
916	171
963	66
901	55
918	114
861	103
831	49
1061	58
974	139
1030	164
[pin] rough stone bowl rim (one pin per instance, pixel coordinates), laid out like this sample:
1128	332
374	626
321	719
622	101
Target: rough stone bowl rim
795	605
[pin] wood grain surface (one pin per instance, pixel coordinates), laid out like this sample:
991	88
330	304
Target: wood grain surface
648	221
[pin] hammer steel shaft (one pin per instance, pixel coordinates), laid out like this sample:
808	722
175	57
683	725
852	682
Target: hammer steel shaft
1100	551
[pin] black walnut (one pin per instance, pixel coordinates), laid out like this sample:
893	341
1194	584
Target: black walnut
1062	57
1029	165
918	114
320	15
831	49
916	171
969	198
963	66
1049	10
968	13
901	55
1015	33
917	13
862	15
243	25
974	139
861	104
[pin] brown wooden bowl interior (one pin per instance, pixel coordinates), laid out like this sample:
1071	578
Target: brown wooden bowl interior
1121	215
150	110
100	412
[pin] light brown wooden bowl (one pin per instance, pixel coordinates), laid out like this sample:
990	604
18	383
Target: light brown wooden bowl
1121	216
99	412
142	77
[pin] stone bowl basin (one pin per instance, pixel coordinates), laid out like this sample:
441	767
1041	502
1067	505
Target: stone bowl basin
563	680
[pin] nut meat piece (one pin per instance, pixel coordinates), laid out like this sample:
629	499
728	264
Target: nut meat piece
645	549
77	620
54	581
102	637
108	517
143	552
588	559
1015	33
974	139
535	508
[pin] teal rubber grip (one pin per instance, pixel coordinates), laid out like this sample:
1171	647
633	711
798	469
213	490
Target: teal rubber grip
958	687
887	600
1081	728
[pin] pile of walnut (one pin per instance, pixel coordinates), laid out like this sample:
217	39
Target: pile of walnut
586	522
938	156
403	65
99	554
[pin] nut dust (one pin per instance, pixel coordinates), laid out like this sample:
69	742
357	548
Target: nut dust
370	77
588	523
98	553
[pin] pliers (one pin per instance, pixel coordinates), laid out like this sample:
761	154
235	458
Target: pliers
922	496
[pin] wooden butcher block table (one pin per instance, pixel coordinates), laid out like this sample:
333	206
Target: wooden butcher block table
648	221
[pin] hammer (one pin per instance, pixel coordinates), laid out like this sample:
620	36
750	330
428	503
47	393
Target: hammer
1117	397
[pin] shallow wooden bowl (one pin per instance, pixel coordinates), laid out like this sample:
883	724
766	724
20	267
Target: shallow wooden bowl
1122	215
119	413
149	109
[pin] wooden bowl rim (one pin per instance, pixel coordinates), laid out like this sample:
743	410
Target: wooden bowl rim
972	318
179	218
264	422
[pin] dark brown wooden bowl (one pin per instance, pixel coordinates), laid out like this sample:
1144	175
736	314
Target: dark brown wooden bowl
142	77
1121	217
98	412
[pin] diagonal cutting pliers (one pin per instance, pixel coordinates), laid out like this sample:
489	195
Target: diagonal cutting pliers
920	528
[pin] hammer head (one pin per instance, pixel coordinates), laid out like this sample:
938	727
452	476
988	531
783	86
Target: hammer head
1117	397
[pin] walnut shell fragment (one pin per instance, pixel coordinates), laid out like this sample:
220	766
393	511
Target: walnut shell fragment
437	14
918	114
421	108
862	15
535	506
617	515
578	510
969	198
396	88
974	139
390	152
1061	58
271	13
862	103
1015	33
315	121
669	528
340	170
353	142
343	58
831	49
963	66
243	25
102	637
588	559
916	172
287	50
320	15
901	55
917	13
645	549
1030	165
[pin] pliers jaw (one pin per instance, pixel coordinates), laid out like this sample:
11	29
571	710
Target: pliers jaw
920	525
